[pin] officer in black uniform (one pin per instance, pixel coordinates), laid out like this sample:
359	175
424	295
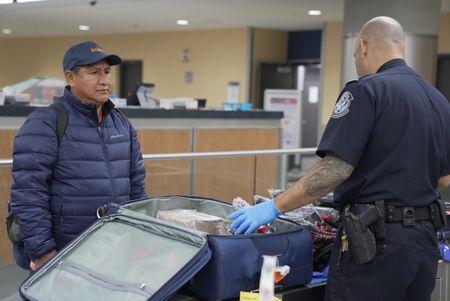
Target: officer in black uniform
387	142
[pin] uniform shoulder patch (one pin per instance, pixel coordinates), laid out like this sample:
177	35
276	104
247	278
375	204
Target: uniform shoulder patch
342	106
351	82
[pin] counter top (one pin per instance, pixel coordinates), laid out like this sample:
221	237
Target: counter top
23	111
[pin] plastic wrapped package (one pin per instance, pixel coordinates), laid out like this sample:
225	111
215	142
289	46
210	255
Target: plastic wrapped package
259	199
329	215
329	197
275	192
193	219
239	203
306	215
307	212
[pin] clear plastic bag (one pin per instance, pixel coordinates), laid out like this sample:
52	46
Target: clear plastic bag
239	203
307	212
274	192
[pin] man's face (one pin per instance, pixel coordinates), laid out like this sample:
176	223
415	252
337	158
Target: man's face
92	83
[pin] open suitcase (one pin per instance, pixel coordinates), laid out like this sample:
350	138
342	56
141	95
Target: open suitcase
130	255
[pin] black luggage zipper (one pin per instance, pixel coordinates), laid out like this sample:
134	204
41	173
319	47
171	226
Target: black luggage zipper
104	281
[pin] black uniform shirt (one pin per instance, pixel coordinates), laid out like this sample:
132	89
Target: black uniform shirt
394	128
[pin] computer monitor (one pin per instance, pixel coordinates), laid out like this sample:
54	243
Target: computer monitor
141	96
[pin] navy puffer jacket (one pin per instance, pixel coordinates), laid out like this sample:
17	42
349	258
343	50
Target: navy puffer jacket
57	190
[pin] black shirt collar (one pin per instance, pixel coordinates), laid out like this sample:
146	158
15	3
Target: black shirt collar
391	64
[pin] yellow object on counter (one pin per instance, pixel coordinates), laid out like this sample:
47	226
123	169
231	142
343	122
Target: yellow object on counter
247	296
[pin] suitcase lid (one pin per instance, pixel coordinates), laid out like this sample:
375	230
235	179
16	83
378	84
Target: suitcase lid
124	256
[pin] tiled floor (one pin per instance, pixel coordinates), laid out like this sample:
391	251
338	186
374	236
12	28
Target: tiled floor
10	278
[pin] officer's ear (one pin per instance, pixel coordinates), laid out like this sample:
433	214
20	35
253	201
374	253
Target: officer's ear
362	44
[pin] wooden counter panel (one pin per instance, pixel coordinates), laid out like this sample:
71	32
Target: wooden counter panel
165	141
165	177
266	174
7	140
224	179
227	178
6	255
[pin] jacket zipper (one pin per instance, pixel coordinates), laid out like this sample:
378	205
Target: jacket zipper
108	163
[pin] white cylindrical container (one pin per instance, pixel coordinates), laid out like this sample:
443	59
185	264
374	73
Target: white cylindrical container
266	282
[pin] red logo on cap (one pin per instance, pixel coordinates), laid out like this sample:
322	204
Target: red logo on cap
96	49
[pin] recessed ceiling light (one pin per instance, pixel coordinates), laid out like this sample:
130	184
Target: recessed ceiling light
314	12
17	1
6	31
182	22
84	27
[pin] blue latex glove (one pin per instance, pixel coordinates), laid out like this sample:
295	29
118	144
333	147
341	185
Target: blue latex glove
247	220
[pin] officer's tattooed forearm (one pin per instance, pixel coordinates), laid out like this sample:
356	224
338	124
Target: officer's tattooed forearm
325	176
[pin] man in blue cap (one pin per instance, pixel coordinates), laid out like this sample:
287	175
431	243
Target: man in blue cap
59	184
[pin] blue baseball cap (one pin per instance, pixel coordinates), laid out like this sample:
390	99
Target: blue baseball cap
87	53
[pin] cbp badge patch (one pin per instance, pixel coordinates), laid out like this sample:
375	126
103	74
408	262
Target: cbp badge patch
343	105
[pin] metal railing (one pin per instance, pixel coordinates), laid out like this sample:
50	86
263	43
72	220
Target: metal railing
282	166
168	156
299	151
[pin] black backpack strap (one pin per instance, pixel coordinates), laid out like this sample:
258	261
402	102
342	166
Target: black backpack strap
12	223
61	119
124	118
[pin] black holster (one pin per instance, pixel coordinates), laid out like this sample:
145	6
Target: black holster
362	243
437	214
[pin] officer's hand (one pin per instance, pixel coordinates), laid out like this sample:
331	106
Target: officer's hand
247	220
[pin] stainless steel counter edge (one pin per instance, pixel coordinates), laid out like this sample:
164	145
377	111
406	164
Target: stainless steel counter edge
12	117
18	111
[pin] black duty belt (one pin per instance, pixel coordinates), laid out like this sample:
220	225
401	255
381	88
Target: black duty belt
409	215
403	214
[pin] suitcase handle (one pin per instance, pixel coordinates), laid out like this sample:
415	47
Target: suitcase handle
107	209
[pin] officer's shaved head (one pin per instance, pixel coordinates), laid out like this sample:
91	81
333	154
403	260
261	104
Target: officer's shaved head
383	32
381	39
